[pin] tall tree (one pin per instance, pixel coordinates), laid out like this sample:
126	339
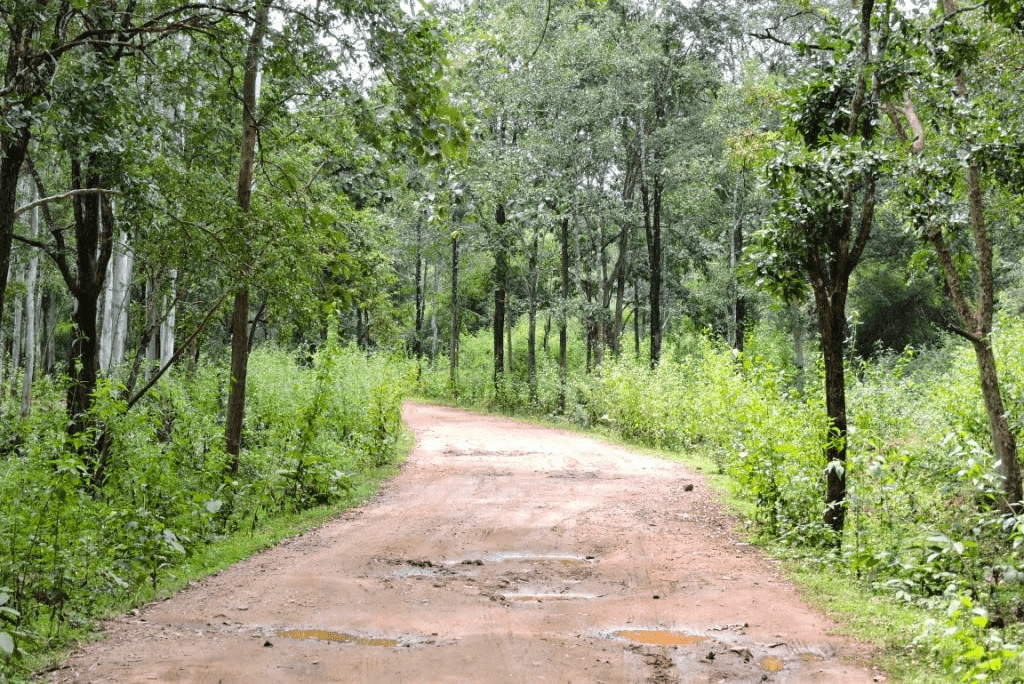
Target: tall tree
964	144
247	164
824	183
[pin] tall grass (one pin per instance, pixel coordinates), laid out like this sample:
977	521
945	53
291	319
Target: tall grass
315	430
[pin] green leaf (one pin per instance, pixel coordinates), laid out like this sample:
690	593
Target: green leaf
6	644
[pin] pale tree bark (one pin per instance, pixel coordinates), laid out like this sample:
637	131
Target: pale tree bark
170	316
18	317
123	276
106	329
240	313
115	306
30	320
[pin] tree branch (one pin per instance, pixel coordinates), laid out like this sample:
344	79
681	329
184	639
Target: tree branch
69	194
178	352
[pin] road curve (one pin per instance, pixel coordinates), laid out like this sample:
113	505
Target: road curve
505	553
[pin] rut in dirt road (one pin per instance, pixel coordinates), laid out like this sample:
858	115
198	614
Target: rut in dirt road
501	553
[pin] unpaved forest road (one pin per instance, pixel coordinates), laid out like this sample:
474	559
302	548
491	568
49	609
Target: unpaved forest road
501	553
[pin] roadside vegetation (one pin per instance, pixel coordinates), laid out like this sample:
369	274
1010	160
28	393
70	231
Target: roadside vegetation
928	567
323	428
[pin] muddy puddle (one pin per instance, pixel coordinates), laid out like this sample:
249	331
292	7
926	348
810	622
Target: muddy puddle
527	557
397	567
541	595
336	637
697	649
659	637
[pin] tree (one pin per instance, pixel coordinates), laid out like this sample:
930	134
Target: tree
962	141
38	37
824	184
247	163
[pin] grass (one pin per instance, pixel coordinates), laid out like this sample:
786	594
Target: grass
889	627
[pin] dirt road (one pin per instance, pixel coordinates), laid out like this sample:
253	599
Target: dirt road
501	553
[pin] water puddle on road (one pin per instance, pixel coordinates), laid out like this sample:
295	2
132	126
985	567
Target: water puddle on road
659	637
338	637
542	596
527	557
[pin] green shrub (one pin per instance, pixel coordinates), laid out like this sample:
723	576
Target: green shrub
73	550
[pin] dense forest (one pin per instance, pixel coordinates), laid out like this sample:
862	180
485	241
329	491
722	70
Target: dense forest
234	236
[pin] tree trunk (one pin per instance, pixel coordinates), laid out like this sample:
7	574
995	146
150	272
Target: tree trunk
106	328
169	322
114	333
651	198
94	228
19	316
433	318
500	293
636	317
545	338
832	326
533	279
361	332
499	323
977	318
417	342
1003	442
977	321
13	149
152	306
239	373
739	303
453	342
509	324
240	315
30	320
620	290
48	311
563	323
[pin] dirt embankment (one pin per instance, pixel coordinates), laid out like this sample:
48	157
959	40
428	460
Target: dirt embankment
501	553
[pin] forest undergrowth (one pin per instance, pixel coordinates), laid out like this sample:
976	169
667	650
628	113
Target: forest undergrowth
318	428
923	530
